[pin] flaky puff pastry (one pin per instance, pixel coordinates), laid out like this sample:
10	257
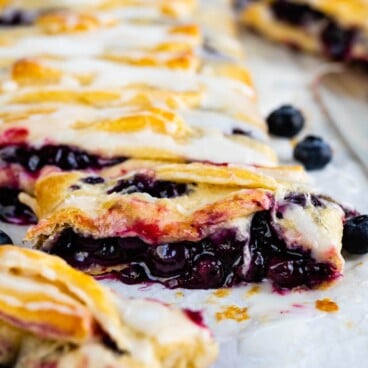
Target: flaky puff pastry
214	197
53	315
337	29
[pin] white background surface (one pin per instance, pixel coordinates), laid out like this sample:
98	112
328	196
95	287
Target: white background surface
288	331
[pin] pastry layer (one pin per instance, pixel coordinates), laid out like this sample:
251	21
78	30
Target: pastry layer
53	315
179	224
336	29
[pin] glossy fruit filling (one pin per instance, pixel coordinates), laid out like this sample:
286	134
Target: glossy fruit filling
63	156
12	210
141	183
223	259
336	40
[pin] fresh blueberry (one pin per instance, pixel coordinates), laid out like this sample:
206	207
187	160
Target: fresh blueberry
338	42
5	238
355	238
313	152
286	121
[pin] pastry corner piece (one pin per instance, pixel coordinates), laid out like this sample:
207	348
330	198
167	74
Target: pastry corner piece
54	316
337	29
196	225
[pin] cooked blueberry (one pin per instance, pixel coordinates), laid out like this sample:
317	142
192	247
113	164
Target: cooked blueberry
227	246
132	248
141	183
355	238
168	259
298	272
286	121
93	180
301	199
313	152
12	210
207	273
5	238
133	274
296	14
62	156
109	252
263	245
338	42
167	189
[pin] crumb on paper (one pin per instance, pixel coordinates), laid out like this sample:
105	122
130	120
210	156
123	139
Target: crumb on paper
327	305
234	313
253	291
179	294
221	293
350	324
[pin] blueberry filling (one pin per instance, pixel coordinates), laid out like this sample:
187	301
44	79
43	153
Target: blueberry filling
301	199
336	40
295	14
286	268
12	210
209	263
13	17
141	183
62	156
223	259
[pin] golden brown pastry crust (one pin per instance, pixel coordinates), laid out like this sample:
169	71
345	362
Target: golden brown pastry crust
53	314
111	94
216	195
220	194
